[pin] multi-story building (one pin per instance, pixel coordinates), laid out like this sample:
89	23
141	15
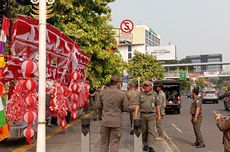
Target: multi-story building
138	40
206	59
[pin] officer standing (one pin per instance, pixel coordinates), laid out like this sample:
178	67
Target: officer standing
162	99
134	107
112	102
196	112
150	112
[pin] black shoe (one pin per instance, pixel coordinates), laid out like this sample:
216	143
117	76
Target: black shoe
146	148
200	146
131	132
151	149
195	144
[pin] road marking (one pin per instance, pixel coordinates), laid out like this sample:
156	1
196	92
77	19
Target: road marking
178	129
24	148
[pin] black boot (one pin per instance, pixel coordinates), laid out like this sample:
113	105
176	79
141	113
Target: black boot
146	148
151	149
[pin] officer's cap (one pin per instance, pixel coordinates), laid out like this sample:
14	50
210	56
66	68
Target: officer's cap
196	91
148	83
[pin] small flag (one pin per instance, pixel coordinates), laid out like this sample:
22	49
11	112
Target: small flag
4	127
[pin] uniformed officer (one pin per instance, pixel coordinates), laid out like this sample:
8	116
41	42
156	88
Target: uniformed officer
162	99
196	112
112	102
149	112
223	123
134	107
94	99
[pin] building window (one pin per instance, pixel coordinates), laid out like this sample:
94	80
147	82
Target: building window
129	48
130	55
214	60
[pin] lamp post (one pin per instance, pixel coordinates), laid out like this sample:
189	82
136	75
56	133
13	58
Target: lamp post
41	135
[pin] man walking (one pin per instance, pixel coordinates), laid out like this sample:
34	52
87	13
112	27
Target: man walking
150	112
112	102
134	107
162	99
196	112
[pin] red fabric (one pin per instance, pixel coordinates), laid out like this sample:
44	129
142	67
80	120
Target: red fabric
6	25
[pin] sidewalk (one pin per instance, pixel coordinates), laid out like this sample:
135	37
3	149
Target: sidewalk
70	140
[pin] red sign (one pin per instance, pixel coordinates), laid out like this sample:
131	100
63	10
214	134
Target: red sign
126	26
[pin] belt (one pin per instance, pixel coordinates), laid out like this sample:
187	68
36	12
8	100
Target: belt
147	112
198	114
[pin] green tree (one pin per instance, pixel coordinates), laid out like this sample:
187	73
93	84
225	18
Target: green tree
144	66
86	22
200	82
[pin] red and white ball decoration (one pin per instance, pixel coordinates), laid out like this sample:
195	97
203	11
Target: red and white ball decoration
29	67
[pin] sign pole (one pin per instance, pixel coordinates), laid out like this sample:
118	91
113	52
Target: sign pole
41	136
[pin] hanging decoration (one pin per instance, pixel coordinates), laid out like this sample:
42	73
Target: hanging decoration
59	104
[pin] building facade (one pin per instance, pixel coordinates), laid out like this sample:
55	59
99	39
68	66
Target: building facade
138	40
207	58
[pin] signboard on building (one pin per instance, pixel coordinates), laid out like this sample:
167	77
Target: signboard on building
211	74
163	52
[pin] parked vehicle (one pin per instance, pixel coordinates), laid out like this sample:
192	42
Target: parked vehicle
172	92
210	95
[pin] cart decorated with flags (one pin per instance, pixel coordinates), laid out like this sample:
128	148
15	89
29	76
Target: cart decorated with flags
65	71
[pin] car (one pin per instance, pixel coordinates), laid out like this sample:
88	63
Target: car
172	92
210	95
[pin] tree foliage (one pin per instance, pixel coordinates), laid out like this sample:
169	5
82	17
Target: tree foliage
200	82
144	66
86	22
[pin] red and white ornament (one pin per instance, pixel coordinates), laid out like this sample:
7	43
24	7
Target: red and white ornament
29	67
74	115
75	87
30	84
30	116
30	100
76	75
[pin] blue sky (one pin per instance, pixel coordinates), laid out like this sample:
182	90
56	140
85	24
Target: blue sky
194	26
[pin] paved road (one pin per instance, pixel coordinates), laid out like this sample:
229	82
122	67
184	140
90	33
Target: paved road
70	140
179	128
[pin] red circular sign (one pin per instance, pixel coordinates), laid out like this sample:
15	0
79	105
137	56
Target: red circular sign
126	26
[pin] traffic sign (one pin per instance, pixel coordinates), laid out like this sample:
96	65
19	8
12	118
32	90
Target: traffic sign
126	26
183	75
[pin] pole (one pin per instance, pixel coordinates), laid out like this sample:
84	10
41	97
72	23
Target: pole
41	136
85	135
137	136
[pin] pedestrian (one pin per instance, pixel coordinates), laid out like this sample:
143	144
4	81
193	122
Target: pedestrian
112	102
94	98
196	112
223	123
132	95
149	113
162	99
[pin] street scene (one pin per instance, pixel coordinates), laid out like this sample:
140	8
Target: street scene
114	76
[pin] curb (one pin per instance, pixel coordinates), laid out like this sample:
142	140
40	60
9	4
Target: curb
171	143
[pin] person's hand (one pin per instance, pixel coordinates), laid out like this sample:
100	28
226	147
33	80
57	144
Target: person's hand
158	118
218	116
194	120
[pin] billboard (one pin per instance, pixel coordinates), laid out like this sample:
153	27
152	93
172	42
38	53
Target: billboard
163	52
